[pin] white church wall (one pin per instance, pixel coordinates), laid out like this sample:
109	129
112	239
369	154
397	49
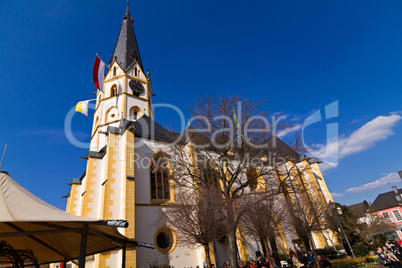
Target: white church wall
96	197
143	154
146	225
181	256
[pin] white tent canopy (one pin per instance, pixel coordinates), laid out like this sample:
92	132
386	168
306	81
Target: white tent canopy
27	222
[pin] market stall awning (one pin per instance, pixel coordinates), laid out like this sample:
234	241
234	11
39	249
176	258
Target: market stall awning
27	222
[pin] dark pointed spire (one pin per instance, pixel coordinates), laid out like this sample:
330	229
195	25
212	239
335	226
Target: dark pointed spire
126	50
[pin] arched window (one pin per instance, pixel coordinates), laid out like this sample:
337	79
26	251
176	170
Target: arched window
160	178
114	71
210	175
113	91
135	71
135	113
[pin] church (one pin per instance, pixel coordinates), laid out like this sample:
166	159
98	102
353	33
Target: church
117	185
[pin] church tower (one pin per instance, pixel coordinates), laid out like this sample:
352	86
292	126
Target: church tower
107	188
128	89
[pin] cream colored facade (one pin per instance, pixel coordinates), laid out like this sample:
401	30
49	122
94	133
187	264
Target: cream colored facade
116	183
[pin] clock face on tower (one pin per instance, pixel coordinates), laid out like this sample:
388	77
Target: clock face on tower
136	87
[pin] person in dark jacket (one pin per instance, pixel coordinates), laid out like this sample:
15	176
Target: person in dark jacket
383	259
259	263
311	259
394	260
398	251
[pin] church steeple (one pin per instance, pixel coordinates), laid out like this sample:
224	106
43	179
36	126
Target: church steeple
126	50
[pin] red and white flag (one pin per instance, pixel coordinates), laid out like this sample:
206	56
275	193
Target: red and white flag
98	73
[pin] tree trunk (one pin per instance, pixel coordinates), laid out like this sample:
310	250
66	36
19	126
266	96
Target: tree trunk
274	248
232	248
232	228
273	244
208	256
215	254
265	249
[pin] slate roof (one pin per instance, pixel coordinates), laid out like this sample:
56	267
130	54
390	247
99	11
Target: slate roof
359	208
384	201
281	149
126	50
147	128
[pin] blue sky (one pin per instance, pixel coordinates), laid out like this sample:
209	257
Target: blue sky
299	55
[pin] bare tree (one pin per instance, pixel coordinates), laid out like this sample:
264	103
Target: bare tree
263	215
308	209
199	217
309	217
227	137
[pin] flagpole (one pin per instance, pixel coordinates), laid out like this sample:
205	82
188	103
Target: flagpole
4	153
107	65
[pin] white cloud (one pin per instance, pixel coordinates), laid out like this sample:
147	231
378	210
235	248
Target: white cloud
390	178
336	195
289	130
380	128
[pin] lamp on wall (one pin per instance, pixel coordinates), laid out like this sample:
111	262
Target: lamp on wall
339	210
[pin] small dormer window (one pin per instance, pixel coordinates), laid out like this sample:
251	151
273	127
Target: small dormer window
113	91
114	71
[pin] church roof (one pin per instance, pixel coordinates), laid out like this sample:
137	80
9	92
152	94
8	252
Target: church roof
280	148
126	50
147	128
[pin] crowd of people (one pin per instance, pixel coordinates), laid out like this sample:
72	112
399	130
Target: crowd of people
307	260
300	260
390	254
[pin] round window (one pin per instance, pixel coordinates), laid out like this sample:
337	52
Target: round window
165	240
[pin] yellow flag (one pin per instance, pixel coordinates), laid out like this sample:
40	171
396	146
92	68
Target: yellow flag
82	107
